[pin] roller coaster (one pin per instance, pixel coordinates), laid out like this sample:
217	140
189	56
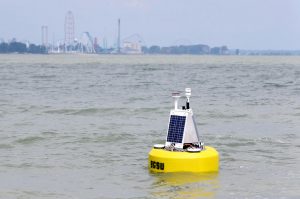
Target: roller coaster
86	43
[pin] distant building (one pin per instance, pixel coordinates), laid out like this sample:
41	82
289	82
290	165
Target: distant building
132	44
131	48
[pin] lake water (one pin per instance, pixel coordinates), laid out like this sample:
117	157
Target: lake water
81	126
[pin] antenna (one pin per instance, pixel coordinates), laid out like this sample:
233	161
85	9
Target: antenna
188	93
176	96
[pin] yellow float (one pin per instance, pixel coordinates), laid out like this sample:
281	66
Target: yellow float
183	151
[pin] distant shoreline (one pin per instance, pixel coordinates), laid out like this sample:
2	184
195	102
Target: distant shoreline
16	47
141	55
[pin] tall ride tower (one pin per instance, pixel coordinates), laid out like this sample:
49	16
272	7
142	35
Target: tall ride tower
44	30
69	28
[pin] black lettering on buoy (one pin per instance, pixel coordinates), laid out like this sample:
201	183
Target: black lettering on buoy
161	166
157	165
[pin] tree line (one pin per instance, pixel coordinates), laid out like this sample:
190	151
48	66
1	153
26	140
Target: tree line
199	49
19	47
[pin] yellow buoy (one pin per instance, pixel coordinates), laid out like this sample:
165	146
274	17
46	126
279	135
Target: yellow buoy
161	160
183	151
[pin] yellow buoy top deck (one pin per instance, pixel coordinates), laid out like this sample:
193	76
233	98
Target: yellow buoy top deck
183	151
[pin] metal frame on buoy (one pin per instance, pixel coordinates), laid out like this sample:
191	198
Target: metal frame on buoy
190	136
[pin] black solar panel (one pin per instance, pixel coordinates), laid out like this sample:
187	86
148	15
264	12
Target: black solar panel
176	128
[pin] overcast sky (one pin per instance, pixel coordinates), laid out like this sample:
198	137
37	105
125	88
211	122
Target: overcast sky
244	24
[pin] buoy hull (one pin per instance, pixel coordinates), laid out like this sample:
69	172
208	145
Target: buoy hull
161	160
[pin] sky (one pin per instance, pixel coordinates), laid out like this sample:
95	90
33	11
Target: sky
243	24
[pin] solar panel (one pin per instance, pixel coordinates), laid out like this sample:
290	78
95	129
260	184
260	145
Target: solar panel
176	128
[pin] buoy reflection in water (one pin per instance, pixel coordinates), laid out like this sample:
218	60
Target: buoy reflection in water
185	185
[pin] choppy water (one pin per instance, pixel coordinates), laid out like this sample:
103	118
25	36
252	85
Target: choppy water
81	126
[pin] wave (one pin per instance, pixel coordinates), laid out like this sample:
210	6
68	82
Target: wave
276	85
29	140
226	116
84	111
6	146
96	111
43	76
236	141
